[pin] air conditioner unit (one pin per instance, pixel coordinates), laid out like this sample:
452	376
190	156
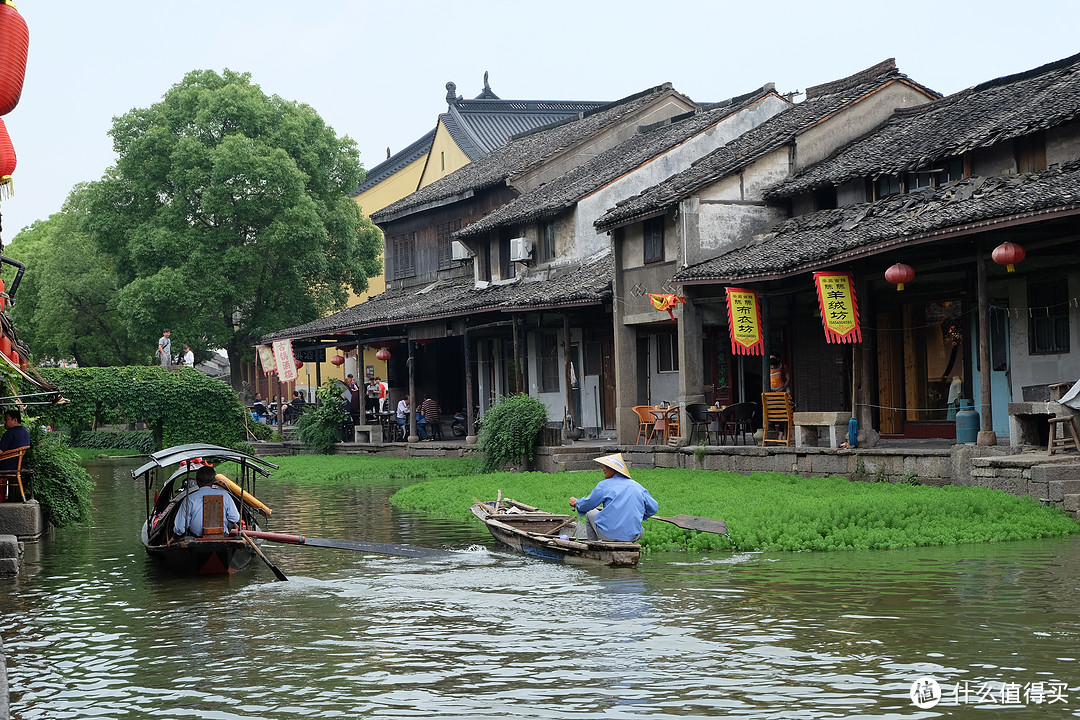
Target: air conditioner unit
458	251
520	249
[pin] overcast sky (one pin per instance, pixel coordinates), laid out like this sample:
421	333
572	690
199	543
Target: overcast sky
377	71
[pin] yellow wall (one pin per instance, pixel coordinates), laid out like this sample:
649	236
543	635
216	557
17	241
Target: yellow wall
403	182
445	157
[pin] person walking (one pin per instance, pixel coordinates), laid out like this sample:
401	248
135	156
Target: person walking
164	348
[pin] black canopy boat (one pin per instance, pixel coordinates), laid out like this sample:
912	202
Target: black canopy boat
168	477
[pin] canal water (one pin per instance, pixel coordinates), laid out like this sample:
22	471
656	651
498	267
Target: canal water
92	630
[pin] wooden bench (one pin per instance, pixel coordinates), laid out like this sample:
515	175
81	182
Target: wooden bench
808	423
1069	438
13	478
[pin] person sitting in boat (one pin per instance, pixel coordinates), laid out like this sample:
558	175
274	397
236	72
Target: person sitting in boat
189	516
625	505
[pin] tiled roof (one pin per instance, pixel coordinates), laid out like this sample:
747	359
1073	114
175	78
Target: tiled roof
584	283
479	126
978	117
826	237
821	102
520	155
565	191
396	162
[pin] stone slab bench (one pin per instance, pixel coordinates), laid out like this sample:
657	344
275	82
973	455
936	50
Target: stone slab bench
807	425
368	433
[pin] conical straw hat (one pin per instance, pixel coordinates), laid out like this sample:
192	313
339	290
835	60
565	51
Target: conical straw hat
615	462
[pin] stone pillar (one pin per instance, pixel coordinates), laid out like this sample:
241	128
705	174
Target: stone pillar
691	362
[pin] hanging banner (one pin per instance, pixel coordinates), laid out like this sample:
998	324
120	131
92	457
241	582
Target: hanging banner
283	356
839	311
744	322
266	359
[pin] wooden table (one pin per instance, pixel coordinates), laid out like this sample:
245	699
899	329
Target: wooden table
665	417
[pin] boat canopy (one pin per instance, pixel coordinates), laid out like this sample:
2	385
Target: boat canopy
210	453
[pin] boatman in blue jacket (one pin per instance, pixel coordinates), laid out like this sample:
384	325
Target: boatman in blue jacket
189	516
625	504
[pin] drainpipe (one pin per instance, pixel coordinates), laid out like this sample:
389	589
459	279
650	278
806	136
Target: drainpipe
986	425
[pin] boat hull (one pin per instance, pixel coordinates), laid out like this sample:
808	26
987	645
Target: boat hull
200	556
535	533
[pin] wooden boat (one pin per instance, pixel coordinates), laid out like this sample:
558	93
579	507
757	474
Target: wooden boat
542	535
168	477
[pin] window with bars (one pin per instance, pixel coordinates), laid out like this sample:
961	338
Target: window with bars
1048	317
667	352
549	362
653	231
547	241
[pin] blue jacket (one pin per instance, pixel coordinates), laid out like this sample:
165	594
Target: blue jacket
626	504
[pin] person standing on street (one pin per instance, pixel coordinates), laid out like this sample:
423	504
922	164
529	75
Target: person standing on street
164	348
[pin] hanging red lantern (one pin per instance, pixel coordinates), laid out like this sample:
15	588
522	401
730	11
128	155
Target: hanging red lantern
337	360
14	41
1008	254
900	274
7	162
383	354
298	363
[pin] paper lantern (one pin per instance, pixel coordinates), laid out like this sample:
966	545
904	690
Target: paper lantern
7	162
900	274
298	363
383	354
337	360
14	41
1008	254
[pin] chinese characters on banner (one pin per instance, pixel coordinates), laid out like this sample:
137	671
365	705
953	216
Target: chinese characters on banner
839	311
284	358
266	359
744	320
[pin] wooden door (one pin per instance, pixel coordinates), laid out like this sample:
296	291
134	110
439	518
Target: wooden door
890	373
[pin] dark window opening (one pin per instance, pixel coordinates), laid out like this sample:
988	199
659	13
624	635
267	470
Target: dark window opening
653	237
549	362
1048	309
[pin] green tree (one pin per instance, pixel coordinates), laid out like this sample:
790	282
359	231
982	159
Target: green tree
67	302
228	217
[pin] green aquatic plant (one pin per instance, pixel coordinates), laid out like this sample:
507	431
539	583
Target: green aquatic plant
771	511
510	430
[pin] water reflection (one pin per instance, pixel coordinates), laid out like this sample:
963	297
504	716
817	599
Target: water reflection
93	630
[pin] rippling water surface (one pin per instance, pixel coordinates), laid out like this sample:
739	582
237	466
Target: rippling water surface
92	630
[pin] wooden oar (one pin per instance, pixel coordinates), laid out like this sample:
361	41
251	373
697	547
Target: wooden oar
696	523
381	548
258	551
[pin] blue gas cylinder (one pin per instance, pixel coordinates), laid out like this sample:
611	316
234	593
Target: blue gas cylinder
967	423
853	432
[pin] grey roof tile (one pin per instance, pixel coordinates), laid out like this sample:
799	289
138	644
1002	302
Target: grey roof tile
826	237
519	155
978	117
821	102
583	283
564	192
479	126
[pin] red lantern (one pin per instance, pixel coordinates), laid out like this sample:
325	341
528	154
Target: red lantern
337	360
1008	254
900	274
7	161
14	41
383	354
298	363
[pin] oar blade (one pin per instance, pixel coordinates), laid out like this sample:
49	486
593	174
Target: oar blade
379	548
700	524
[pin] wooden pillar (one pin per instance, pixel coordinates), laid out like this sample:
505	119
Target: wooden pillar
517	356
469	401
413	436
567	379
986	415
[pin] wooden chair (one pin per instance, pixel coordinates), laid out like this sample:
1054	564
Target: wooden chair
213	516
1069	438
13	478
776	408
646	422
